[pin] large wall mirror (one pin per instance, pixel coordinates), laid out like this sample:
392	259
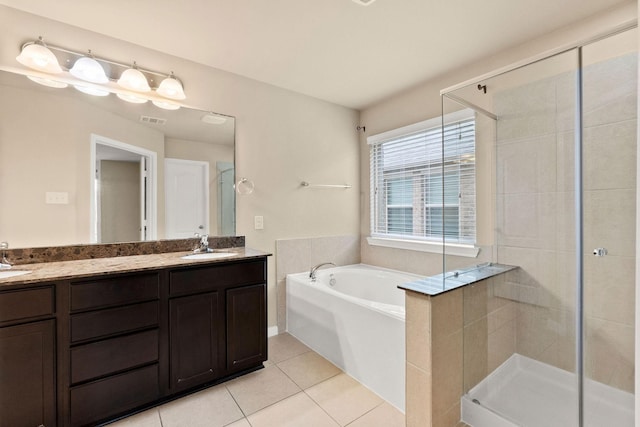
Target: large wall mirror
76	168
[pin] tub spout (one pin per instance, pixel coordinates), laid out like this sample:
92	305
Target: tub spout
312	273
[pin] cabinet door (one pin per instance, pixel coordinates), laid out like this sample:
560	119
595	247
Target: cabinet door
27	372
196	339
246	327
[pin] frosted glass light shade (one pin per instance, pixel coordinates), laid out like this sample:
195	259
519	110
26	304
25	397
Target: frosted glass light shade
131	98
171	88
165	105
89	69
39	58
89	90
48	82
133	79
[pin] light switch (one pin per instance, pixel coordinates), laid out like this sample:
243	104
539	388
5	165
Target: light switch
56	198
258	222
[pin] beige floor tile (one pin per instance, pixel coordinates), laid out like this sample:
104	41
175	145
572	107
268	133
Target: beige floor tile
149	418
384	415
296	411
240	423
284	346
262	388
308	369
209	408
344	398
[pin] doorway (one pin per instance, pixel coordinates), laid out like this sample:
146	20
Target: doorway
123	192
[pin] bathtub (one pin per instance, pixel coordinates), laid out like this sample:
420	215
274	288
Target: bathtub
354	316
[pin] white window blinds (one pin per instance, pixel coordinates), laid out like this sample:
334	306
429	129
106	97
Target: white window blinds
417	190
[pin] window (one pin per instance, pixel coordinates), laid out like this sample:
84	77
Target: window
417	191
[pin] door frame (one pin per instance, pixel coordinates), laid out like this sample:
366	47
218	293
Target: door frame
151	188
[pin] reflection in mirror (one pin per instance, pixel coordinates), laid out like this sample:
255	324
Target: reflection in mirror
123	202
55	189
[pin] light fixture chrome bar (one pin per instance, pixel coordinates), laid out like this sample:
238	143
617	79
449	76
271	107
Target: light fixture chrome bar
113	69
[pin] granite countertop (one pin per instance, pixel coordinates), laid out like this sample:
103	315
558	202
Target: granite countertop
64	270
440	283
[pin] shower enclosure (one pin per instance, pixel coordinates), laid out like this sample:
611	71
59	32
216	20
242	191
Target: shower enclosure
552	342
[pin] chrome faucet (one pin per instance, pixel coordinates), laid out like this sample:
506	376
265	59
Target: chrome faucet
4	263
203	244
312	273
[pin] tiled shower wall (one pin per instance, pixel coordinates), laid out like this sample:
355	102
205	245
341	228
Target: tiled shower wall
536	219
299	255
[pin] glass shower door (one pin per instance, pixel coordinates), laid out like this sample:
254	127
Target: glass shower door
520	341
609	217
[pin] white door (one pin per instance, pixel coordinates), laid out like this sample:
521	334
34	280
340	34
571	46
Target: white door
186	198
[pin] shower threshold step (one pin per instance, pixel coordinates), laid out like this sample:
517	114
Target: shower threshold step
528	393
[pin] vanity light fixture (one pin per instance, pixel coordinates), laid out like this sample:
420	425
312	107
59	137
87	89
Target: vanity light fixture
364	2
129	83
134	99
165	105
91	90
134	80
48	82
88	69
171	88
37	55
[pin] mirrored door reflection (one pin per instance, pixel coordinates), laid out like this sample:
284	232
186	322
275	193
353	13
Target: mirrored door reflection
121	205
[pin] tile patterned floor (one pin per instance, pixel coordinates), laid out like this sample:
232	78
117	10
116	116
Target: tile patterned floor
297	388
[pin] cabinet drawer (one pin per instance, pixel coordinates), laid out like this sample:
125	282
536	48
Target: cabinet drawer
112	396
217	277
24	304
96	324
114	291
105	357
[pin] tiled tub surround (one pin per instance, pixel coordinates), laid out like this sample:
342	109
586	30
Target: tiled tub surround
446	314
76	252
298	255
438	328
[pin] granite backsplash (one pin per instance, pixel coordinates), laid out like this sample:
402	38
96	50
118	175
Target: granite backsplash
76	252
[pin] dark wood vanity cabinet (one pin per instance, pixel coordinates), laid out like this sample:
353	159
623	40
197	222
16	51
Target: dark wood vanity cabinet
114	346
246	326
217	321
27	358
196	339
120	343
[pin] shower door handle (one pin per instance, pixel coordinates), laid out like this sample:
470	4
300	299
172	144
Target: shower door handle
600	251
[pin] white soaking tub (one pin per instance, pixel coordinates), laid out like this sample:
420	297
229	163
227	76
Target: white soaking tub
354	316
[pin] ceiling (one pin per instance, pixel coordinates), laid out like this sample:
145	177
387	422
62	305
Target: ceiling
335	50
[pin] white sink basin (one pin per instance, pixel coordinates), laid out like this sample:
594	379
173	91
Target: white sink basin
5	274
209	255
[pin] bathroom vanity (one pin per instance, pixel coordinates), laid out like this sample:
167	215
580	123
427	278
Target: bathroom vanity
84	342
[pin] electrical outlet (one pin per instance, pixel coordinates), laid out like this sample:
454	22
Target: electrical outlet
258	222
56	198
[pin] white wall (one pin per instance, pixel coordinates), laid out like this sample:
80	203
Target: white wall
281	137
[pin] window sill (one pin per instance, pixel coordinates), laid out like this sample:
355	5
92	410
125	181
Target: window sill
455	249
